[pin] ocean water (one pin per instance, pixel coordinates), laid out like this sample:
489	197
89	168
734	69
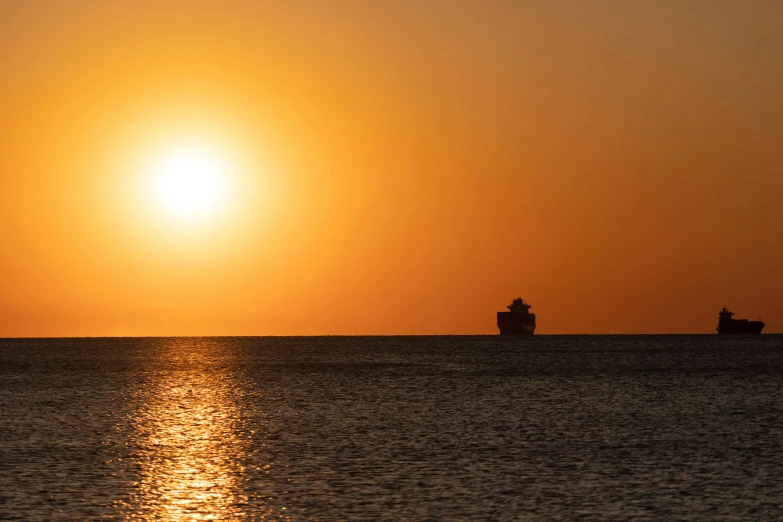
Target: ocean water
392	428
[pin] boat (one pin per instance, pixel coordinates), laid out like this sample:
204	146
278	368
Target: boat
518	320
728	325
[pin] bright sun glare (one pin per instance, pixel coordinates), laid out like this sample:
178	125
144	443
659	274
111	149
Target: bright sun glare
190	182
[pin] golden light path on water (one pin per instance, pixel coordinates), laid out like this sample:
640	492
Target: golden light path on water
191	450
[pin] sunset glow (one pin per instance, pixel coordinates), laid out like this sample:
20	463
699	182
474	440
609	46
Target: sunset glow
189	168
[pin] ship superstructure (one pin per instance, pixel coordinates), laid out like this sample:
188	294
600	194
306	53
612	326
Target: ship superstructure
518	320
728	325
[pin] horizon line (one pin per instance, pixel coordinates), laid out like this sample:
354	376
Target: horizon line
376	335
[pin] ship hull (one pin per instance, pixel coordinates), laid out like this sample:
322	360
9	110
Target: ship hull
510	323
739	327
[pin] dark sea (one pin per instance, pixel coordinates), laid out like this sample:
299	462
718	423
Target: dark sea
484	428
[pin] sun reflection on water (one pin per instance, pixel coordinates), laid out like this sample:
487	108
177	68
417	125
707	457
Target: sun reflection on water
189	444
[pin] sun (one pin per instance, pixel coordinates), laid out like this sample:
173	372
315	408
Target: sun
190	182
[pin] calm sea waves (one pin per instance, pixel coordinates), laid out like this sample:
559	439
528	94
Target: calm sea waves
392	428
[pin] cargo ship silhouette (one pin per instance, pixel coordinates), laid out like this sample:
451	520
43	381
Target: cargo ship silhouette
728	325
518	320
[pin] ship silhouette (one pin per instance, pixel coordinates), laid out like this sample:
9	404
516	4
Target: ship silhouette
728	325
518	320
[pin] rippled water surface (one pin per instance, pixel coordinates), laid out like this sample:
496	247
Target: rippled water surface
392	428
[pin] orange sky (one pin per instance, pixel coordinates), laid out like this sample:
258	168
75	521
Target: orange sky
401	167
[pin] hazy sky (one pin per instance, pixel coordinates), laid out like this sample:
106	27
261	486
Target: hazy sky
391	167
